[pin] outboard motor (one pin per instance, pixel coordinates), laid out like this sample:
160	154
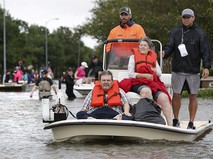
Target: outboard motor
56	112
47	111
60	97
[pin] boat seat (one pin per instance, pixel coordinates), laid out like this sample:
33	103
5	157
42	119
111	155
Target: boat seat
122	75
133	96
117	73
166	79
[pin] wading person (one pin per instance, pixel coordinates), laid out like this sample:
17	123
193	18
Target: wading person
69	80
44	85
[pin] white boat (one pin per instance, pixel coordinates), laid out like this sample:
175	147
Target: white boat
87	129
16	87
120	71
83	89
84	130
130	130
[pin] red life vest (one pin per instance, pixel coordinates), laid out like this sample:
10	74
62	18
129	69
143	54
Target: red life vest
113	94
144	60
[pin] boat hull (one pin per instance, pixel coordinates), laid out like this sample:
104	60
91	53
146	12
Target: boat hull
14	87
78	130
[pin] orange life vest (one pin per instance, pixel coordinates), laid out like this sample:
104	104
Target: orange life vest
113	94
144	60
134	31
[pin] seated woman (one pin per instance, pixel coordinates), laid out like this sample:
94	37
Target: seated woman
17	74
80	75
143	71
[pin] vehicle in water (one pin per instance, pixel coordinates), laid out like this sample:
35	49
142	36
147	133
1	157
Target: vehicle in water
85	129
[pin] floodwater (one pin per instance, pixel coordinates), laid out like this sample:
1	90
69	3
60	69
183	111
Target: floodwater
22	135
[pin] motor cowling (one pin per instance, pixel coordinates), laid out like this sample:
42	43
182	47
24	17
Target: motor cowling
47	112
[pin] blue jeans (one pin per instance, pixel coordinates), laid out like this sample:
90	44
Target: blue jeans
101	113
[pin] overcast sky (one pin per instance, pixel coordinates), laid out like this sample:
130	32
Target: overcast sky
70	13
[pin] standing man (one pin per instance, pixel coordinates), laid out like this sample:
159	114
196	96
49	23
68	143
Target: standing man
7	77
44	85
127	29
69	80
189	46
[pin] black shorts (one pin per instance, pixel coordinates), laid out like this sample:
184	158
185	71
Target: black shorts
137	88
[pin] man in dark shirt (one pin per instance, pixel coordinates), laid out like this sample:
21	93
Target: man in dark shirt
7	77
69	80
44	85
95	68
189	46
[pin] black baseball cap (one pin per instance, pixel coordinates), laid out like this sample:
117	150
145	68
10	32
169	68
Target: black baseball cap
126	10
44	72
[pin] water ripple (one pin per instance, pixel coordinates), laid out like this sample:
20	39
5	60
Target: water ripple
22	135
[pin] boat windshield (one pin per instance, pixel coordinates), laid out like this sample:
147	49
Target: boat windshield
120	51
118	56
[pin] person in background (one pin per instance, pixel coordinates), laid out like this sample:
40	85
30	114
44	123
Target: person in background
7	77
31	76
24	76
20	66
36	76
80	75
69	80
44	85
94	68
17	74
144	72
106	100
63	77
189	46
50	73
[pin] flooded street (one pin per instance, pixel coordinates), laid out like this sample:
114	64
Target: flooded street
22	135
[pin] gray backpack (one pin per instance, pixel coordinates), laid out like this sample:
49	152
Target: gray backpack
147	110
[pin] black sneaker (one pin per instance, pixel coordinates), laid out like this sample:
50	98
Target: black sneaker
176	123
191	125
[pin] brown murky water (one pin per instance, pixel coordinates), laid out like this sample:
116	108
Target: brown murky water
22	135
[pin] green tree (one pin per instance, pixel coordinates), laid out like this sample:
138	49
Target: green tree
157	17
65	45
28	44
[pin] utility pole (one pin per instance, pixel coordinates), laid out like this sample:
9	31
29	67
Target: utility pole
46	41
